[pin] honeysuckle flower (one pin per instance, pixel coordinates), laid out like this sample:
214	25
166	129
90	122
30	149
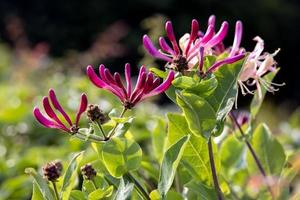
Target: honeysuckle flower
256	66
147	84
194	46
51	120
235	52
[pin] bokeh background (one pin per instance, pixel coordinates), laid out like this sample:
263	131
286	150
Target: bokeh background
47	44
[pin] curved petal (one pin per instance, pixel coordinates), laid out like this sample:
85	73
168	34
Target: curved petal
193	35
165	47
233	59
128	78
237	38
51	113
82	108
163	86
45	121
219	36
171	36
101	84
150	48
212	20
58	107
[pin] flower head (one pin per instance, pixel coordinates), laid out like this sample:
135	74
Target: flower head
52	170
52	120
194	46
147	85
256	66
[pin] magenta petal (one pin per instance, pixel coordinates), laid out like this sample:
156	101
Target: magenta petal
237	38
212	20
51	113
201	59
58	107
193	35
94	78
82	108
171	36
165	47
163	86
225	61
101	84
128	78
139	85
119	83
219	36
148	45
45	121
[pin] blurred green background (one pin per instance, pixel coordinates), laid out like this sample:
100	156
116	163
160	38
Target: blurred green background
47	44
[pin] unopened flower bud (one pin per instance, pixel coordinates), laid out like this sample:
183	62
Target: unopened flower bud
88	171
52	171
94	113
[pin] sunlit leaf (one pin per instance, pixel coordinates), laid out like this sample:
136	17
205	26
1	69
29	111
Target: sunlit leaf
121	155
169	165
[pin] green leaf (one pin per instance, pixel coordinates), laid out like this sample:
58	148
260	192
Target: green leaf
158	138
195	157
124	190
41	184
100	193
257	102
169	165
158	72
231	153
88	186
170	92
269	151
77	195
200	116
121	155
224	96
198	191
36	193
70	176
184	82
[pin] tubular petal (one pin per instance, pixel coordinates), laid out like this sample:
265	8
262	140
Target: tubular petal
148	45
101	84
171	36
45	121
82	108
128	80
237	38
58	106
165	47
163	86
219	36
225	61
51	113
193	35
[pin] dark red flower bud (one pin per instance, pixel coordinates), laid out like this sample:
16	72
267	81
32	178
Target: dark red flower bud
88	171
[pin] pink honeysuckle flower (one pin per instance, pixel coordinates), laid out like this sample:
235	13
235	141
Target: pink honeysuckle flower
184	56
51	120
147	84
235	53
255	67
194	46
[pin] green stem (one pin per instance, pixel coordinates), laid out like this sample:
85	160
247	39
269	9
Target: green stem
112	132
101	129
213	170
138	187
252	152
55	190
91	137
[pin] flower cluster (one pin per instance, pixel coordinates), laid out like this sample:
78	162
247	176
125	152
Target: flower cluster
194	46
255	67
52	120
147	85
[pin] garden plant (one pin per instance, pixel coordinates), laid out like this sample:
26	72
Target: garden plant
205	149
